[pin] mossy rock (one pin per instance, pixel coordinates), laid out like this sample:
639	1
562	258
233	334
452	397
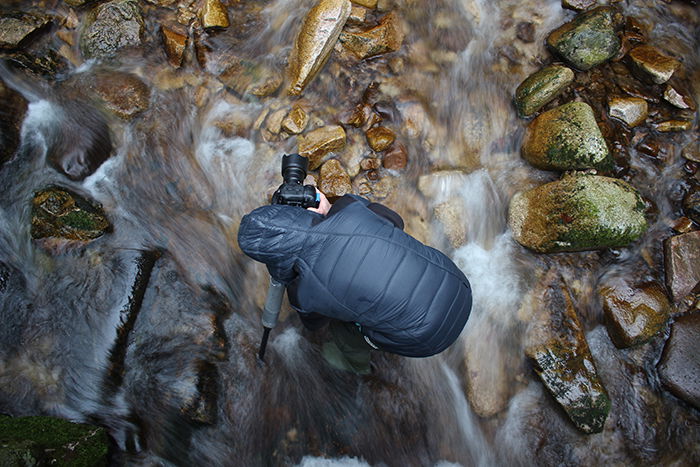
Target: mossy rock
541	87
38	441
588	40
579	212
59	213
566	138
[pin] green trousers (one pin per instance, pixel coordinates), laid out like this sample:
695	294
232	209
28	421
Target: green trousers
348	350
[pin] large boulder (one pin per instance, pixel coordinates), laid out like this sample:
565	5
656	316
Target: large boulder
111	27
12	110
557	346
314	44
682	264
578	212
34	441
61	214
634	313
588	40
679	368
541	87
566	138
16	27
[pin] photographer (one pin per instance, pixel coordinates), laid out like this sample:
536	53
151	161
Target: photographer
352	265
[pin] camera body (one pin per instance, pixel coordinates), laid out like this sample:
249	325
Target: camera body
293	192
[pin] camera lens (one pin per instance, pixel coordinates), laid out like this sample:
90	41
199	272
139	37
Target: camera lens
294	168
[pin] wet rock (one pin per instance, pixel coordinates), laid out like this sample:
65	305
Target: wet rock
669	126
450	214
679	97
249	78
649	64
557	346
334	181
16	27
123	94
111	27
631	110
380	138
566	138
577	5
317	37
60	213
679	368
682	264
214	15
525	31
295	122
200	404
371	4
578	212
691	204
395	158
386	37
692	151
370	163
13	107
358	15
78	157
541	87
174	44
317	143
37	441
588	40
635	313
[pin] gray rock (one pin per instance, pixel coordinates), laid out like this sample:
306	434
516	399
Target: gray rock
110	27
588	40
578	212
679	368
15	27
566	138
541	87
682	264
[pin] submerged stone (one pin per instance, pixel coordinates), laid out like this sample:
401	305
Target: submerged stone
30	441
588	40
566	138
679	368
314	44
319	142
111	27
60	213
249	78
634	313
123	94
558	348
631	110
579	212
13	107
334	181
386	37
651	65
541	87
669	126
682	264
15	27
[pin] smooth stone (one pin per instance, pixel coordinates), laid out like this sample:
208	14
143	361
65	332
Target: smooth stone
318	35
635	313
174	44
679	368
541	87
566	138
631	110
669	126
396	158
319	142
651	64
15	27
380	138
588	40
111	27
579	212
682	264
334	181
386	37
123	94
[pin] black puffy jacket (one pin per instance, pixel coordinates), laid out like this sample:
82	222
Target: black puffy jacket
357	266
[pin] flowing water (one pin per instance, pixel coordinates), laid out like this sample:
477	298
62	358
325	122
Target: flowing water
152	330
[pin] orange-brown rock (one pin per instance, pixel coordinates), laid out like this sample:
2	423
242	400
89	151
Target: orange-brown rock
372	4
317	143
334	181
380	138
295	122
174	44
214	15
317	37
395	158
651	64
386	37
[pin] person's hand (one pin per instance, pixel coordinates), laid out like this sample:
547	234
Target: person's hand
324	206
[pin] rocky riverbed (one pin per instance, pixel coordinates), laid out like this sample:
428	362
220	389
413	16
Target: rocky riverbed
551	148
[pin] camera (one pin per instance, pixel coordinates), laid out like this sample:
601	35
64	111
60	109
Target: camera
293	192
